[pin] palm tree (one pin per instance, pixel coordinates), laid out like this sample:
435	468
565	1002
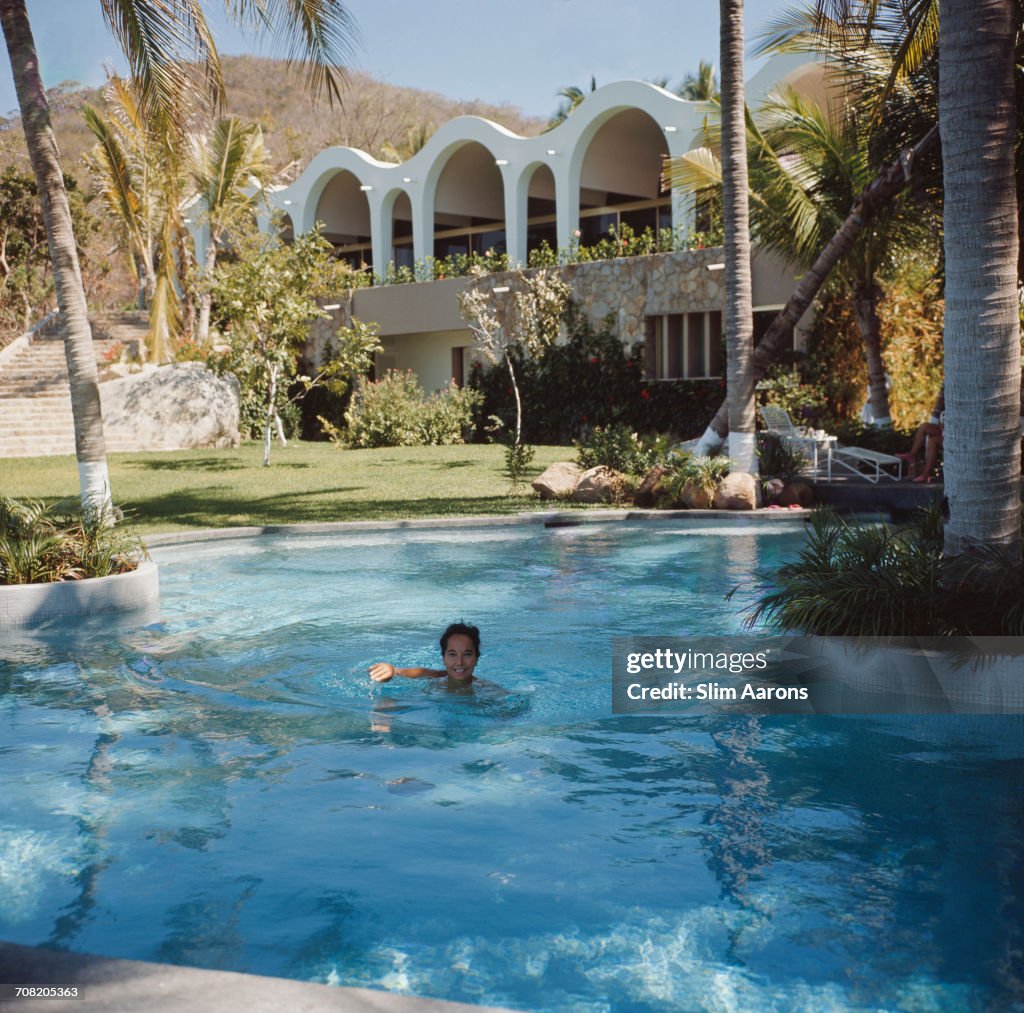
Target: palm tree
977	120
739	312
978	117
571	97
807	166
225	168
171	54
138	166
702	86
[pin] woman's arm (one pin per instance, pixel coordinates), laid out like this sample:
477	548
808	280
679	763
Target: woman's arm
382	671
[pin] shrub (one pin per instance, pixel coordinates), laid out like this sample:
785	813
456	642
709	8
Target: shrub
393	412
447	415
38	545
617	447
778	459
701	473
878	580
591	379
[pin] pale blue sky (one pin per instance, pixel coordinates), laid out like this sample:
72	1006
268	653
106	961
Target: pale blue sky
520	52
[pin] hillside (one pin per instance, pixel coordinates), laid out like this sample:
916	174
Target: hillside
372	114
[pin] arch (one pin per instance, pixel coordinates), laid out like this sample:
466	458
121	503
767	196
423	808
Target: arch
468	205
539	206
400	213
615	177
344	210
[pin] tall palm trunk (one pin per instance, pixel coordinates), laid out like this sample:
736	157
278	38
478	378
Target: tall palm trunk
981	338
889	182
739	312
866	295
42	147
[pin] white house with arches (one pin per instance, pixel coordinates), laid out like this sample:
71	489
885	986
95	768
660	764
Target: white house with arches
476	186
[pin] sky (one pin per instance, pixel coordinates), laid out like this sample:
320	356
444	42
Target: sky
464	49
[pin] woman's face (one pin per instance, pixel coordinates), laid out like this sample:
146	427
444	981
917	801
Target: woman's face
460	657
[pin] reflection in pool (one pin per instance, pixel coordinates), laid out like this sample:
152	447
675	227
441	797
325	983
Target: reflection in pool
224	787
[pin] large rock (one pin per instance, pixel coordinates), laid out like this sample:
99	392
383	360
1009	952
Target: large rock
558	480
693	497
172	408
599	485
652	488
737	491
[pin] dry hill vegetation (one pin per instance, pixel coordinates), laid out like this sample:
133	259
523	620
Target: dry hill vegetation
379	118
373	114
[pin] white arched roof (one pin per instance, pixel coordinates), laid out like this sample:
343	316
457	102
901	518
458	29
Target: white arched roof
562	149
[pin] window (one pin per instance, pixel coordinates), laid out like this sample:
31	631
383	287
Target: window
684	346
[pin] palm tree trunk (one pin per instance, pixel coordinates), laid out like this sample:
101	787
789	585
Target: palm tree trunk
739	312
90	448
889	182
206	301
866	296
981	341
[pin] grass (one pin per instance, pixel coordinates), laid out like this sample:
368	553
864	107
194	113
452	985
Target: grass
306	482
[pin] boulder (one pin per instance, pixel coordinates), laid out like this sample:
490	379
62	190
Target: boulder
599	485
651	488
796	494
172	408
693	497
737	491
558	480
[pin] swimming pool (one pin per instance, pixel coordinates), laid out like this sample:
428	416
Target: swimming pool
224	788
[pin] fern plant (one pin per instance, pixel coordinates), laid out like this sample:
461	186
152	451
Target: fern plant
40	545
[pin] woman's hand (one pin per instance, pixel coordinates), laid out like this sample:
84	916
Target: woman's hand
382	672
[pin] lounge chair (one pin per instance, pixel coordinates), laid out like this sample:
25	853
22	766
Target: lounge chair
858	460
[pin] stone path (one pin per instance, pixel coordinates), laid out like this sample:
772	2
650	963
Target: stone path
35	400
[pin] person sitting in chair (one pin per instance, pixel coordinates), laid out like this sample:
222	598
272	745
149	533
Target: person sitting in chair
924	451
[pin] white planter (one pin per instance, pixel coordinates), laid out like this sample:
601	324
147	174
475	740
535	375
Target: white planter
24	605
914	679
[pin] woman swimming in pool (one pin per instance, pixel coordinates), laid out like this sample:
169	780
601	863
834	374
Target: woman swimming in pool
460	651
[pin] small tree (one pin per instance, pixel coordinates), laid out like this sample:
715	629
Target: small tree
533	324
266	301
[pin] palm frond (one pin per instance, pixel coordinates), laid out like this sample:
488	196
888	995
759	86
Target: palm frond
171	54
322	34
693	171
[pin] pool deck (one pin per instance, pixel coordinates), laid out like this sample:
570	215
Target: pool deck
135	986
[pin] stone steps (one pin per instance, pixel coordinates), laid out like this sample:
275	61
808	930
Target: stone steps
35	401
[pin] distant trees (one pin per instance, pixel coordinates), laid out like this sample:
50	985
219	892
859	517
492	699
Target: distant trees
26	279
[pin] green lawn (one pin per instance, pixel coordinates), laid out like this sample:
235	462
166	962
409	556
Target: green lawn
192	489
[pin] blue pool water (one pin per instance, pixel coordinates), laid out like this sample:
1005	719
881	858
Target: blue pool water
223	787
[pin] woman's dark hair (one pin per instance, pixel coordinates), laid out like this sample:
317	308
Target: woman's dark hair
461	628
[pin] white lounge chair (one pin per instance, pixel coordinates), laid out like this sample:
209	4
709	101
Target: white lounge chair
858	460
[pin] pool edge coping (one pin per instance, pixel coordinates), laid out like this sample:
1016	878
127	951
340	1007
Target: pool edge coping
118	985
545	518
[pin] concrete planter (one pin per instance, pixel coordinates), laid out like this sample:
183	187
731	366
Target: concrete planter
914	678
23	605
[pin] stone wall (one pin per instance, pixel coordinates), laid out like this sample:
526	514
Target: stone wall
628	289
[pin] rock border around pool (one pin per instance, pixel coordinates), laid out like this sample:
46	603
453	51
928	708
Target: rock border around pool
23	605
